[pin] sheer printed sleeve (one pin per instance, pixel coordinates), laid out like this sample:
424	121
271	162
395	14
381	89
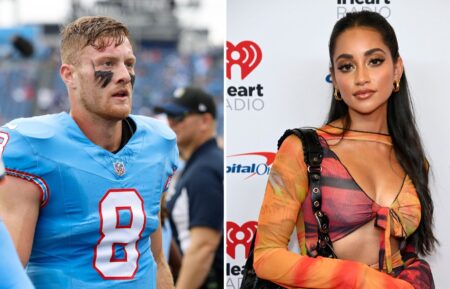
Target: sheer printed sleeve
286	190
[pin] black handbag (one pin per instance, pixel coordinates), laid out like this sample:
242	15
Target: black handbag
313	154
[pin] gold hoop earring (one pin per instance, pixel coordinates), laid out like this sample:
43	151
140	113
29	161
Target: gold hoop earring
337	95
396	86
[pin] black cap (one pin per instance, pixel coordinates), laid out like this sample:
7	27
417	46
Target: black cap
186	100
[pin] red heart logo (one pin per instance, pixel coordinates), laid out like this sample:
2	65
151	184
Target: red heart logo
247	231
247	54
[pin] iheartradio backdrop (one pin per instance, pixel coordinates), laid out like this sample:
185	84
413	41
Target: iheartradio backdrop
277	78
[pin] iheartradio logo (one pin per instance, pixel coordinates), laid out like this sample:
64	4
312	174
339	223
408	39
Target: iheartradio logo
240	235
246	54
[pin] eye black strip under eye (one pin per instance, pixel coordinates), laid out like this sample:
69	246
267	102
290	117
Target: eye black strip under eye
133	78
103	77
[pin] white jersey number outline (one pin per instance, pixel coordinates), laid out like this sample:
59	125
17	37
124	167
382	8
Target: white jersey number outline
116	236
4	138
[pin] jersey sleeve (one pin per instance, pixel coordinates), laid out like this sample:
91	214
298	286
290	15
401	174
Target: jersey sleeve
205	191
163	137
21	159
172	164
286	190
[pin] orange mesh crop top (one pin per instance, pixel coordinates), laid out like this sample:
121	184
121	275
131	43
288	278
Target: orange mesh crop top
348	207
287	205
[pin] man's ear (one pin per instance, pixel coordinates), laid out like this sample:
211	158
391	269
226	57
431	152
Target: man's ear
207	120
67	73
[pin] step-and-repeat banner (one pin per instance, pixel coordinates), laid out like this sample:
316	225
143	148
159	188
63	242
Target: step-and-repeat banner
277	72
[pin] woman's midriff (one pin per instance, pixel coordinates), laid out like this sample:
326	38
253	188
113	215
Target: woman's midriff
362	245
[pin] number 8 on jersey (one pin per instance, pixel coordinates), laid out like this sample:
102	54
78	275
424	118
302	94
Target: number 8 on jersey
122	221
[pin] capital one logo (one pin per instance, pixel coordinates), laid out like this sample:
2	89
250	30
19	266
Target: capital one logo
246	54
240	235
253	167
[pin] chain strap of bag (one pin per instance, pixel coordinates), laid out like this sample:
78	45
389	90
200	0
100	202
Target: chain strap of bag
313	155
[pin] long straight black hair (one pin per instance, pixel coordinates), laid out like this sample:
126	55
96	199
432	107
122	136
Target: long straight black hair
401	123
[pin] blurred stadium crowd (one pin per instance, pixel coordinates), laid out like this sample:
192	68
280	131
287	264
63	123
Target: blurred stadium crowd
30	82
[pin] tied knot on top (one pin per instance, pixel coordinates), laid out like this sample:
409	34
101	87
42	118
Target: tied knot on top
384	217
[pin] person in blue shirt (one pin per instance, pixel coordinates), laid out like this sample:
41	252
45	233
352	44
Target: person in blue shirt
83	189
196	207
12	274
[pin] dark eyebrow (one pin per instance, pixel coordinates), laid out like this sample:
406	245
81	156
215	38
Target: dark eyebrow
367	53
114	58
373	50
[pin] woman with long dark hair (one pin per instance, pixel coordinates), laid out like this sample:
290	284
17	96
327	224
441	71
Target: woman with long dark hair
374	179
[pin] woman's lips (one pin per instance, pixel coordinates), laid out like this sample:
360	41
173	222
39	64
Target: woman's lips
363	94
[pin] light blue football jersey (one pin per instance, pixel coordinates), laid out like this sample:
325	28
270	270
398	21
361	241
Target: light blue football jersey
98	209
